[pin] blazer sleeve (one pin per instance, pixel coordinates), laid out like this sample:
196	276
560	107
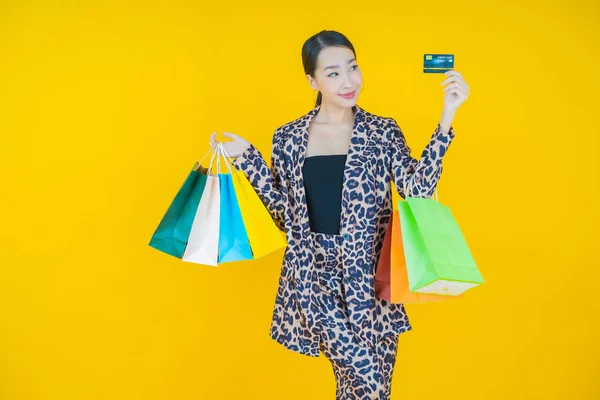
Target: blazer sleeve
266	181
423	174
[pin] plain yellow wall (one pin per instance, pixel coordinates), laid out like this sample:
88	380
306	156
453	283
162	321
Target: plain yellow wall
105	106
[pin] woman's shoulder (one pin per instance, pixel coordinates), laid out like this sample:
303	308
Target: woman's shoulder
381	126
283	132
380	119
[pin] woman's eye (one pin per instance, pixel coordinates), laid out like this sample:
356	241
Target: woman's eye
331	75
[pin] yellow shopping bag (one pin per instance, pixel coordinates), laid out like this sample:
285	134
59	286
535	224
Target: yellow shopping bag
263	234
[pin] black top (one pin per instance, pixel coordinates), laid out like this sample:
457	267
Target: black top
323	177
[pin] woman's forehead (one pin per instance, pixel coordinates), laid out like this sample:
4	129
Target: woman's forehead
334	56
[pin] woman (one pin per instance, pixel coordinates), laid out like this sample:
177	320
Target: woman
328	188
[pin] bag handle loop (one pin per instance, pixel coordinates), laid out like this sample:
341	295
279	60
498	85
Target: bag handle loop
407	187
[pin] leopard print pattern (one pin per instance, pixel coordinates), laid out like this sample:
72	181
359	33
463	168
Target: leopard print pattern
377	156
360	373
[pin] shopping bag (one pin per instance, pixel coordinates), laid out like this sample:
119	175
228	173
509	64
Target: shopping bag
233	239
203	241
172	232
438	258
263	234
391	279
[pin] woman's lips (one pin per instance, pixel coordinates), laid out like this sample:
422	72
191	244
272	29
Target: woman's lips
348	95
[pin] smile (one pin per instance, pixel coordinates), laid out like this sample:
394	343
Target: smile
348	95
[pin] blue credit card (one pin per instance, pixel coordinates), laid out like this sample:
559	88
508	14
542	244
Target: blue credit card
437	63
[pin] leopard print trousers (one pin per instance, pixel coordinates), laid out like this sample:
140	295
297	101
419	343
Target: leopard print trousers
360	372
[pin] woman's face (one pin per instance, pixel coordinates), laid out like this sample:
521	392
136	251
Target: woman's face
337	73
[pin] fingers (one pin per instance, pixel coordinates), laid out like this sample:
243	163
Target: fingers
230	135
214	142
456	85
459	92
457	80
454	76
452	72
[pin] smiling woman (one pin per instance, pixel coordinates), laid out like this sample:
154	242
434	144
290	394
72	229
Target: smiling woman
329	188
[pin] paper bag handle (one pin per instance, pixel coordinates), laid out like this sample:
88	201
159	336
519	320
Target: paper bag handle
407	187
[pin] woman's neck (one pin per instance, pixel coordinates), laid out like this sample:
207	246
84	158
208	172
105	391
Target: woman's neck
331	114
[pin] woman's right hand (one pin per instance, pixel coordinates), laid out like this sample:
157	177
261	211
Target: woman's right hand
233	147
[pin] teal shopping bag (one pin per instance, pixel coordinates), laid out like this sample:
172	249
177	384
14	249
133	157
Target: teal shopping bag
438	258
173	230
172	233
233	238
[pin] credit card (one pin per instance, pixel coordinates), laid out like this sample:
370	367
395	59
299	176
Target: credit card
437	63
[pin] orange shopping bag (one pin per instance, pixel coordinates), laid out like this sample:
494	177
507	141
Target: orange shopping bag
391	278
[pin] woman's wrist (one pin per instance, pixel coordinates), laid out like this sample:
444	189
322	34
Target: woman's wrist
446	120
243	151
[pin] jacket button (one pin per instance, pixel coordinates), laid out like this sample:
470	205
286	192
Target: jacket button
346	236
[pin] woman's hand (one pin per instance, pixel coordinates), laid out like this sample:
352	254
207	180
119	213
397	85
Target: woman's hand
457	91
233	147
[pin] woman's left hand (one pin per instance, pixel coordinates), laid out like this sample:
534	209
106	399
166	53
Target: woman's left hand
456	92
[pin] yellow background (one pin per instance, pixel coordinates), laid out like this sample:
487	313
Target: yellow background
105	106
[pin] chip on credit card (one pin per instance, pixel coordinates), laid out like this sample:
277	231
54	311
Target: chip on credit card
437	63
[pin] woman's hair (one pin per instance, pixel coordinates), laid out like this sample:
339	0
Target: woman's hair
313	46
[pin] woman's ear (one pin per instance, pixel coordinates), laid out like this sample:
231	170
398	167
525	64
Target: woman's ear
312	82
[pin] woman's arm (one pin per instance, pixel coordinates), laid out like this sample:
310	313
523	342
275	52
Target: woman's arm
423	174
266	181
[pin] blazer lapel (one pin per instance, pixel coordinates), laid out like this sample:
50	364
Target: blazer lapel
354	160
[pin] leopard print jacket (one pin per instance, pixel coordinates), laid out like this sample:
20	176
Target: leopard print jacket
377	156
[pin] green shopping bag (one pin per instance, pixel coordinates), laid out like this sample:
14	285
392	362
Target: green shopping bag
438	258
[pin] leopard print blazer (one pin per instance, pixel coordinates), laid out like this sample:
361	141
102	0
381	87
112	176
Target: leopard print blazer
377	156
